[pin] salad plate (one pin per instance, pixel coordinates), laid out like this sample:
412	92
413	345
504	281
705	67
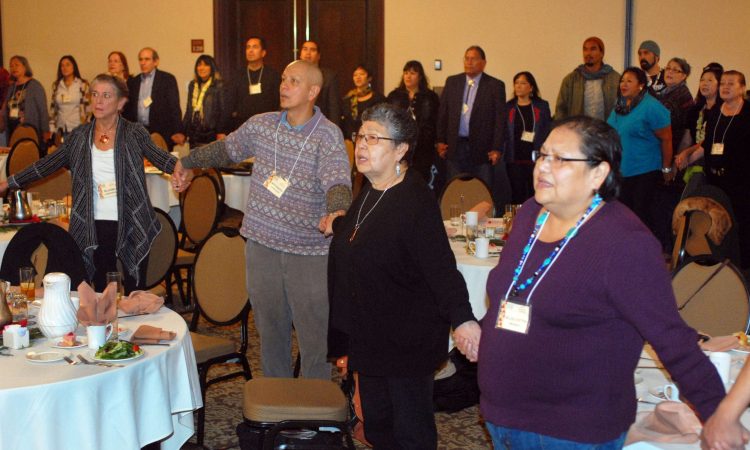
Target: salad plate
46	357
117	351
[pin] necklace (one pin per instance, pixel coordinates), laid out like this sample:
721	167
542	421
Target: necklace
104	138
359	223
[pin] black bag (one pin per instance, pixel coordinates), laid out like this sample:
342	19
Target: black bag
458	391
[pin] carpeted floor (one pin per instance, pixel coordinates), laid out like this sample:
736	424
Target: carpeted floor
462	430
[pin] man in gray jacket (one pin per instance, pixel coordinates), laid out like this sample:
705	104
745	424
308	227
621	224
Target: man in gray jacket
591	89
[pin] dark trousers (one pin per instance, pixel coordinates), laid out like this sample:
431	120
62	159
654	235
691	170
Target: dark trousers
461	161
637	193
398	412
521	177
105	259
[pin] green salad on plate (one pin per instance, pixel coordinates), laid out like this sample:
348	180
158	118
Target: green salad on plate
115	350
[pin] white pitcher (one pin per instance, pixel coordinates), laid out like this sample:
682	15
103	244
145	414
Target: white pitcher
57	316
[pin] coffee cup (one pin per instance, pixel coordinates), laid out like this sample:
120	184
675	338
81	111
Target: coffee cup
472	218
482	247
723	363
671	392
98	335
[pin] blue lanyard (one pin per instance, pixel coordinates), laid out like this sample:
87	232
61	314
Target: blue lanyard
549	260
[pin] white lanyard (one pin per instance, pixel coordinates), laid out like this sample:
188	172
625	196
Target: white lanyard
276	142
533	118
260	77
728	125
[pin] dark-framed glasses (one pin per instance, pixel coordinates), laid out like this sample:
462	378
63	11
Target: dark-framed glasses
556	161
370	139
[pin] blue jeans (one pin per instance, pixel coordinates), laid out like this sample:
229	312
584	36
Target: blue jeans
508	438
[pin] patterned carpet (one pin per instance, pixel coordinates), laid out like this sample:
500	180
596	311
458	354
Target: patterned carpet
462	430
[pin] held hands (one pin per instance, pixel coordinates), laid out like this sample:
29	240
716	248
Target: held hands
467	337
178	138
494	156
181	177
325	225
3	187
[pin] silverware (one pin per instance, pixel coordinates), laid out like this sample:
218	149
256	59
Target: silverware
650	402
97	363
132	315
70	361
141	345
649	367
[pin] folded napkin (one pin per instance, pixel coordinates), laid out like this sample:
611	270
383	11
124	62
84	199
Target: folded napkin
139	302
720	344
451	231
483	208
672	422
146	334
95	309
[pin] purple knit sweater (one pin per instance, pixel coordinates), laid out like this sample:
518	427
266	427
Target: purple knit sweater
571	377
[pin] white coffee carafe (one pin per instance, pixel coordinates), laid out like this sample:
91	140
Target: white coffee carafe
57	316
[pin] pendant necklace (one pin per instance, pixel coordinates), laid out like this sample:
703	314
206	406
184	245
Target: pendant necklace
104	139
358	223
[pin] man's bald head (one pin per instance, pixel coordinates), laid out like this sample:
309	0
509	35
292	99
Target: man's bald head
310	71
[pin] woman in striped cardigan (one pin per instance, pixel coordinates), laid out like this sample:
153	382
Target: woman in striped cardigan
111	217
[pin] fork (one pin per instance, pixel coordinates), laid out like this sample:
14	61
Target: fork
103	364
70	361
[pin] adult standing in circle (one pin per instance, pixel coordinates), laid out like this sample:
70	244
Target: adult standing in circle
357	100
26	103
70	97
117	65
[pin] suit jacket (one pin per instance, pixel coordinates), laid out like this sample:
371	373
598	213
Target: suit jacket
328	100
164	115
487	123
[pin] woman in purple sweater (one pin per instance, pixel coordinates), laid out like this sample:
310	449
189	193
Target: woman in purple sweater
580	286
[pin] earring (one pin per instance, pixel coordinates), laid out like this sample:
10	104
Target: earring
398	169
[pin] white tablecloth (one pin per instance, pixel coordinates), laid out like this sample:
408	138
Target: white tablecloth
237	189
654	378
59	406
6	235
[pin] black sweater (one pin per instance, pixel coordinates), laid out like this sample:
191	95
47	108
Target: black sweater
395	289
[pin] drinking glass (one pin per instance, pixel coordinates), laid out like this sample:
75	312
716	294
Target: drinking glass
26	282
19	308
455	215
116	277
35	202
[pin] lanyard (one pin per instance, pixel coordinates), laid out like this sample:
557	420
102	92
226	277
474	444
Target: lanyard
260	77
548	261
724	136
533	117
276	143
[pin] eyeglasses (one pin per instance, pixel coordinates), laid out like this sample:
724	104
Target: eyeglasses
370	139
557	161
672	69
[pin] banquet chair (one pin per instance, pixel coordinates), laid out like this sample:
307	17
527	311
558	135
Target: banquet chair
200	207
162	256
23	132
272	405
53	187
350	152
221	299
63	254
23	153
159	141
712	296
465	190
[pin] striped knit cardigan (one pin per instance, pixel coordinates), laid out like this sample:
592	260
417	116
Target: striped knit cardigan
137	222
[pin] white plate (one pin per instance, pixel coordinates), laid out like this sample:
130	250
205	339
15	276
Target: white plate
82	342
741	349
46	357
114	361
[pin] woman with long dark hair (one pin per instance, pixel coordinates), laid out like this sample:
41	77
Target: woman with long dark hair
70	97
415	96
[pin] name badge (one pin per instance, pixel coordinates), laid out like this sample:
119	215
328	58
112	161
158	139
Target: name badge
527	136
276	185
107	190
13	113
717	148
147	102
465	109
255	89
513	317
65	98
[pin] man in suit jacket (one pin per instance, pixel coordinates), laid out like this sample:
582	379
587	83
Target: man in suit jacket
329	100
471	118
154	100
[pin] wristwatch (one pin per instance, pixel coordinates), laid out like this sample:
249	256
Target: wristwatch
666	170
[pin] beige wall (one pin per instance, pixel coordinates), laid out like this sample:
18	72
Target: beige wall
545	36
44	30
542	36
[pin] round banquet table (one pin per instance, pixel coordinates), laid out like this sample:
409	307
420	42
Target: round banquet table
60	406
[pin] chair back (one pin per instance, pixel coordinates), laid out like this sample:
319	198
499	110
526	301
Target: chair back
350	152
219	277
23	153
159	141
23	132
712	296
472	189
163	251
55	186
201	207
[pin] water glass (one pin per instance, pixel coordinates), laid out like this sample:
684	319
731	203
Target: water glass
19	308
116	277
455	213
26	282
35	202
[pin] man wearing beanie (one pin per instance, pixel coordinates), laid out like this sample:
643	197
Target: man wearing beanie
648	56
591	89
